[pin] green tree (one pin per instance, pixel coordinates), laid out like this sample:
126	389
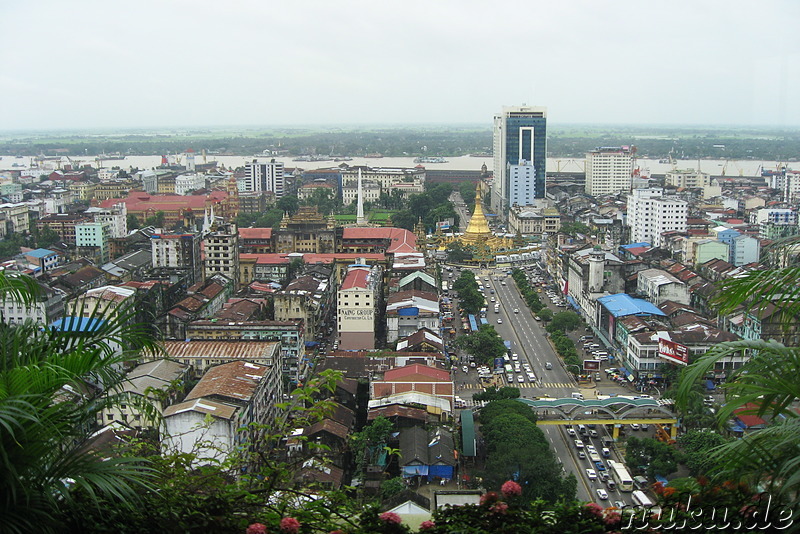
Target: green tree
288	204
369	442
156	220
493	393
566	321
485	344
651	456
11	245
457	253
42	461
133	221
404	219
546	315
698	447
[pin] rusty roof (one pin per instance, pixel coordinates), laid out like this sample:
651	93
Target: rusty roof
236	381
238	349
203	406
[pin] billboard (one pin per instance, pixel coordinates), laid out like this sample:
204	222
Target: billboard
591	365
673	352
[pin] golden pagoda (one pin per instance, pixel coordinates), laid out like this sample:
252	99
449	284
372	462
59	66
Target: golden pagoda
478	236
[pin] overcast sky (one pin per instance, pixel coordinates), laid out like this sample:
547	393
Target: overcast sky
113	64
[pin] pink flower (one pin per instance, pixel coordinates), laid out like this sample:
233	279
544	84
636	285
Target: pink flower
594	509
290	525
511	489
488	498
612	518
390	518
256	528
427	525
499	508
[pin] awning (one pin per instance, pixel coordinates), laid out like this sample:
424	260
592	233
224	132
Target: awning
311	344
415	470
625	372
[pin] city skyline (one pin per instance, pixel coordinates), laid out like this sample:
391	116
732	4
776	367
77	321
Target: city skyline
95	65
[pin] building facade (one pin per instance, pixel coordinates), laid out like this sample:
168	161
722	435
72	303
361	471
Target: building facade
609	170
357	308
520	133
262	176
650	214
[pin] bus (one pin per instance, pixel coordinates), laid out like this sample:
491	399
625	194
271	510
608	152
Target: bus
640	499
507	344
620	475
509	369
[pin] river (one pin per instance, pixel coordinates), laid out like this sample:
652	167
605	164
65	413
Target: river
469	163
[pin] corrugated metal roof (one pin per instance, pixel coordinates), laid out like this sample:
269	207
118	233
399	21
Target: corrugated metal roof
239	349
622	304
235	380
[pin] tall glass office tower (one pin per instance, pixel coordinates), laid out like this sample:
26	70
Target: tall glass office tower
520	134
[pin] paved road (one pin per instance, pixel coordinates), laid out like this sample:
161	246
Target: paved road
529	341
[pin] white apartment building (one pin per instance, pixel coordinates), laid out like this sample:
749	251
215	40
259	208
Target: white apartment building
370	190
384	176
262	177
106	175
186	183
357	308
217	416
689	179
650	214
16	216
774	215
608	170
47	307
115	218
658	286
221	254
521	183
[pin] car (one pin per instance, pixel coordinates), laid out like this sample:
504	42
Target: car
591	448
611	484
591	474
581	455
499	321
486	279
531	377
493	299
645	426
605	452
520	378
516	310
472	364
644	396
579	444
548	366
593	433
510	378
619	504
571	432
465	369
514	356
603	494
634	426
611	370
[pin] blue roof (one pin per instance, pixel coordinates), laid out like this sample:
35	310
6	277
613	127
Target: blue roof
40	253
635	245
78	324
622	305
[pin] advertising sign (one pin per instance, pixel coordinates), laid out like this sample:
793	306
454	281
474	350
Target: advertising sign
591	365
673	352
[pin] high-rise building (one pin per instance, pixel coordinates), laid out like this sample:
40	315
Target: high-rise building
221	253
262	176
521	184
520	134
650	214
609	170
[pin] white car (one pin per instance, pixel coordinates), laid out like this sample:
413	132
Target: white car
581	455
499	321
634	426
603	494
571	432
520	378
516	310
579	444
591	474
514	356
465	369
